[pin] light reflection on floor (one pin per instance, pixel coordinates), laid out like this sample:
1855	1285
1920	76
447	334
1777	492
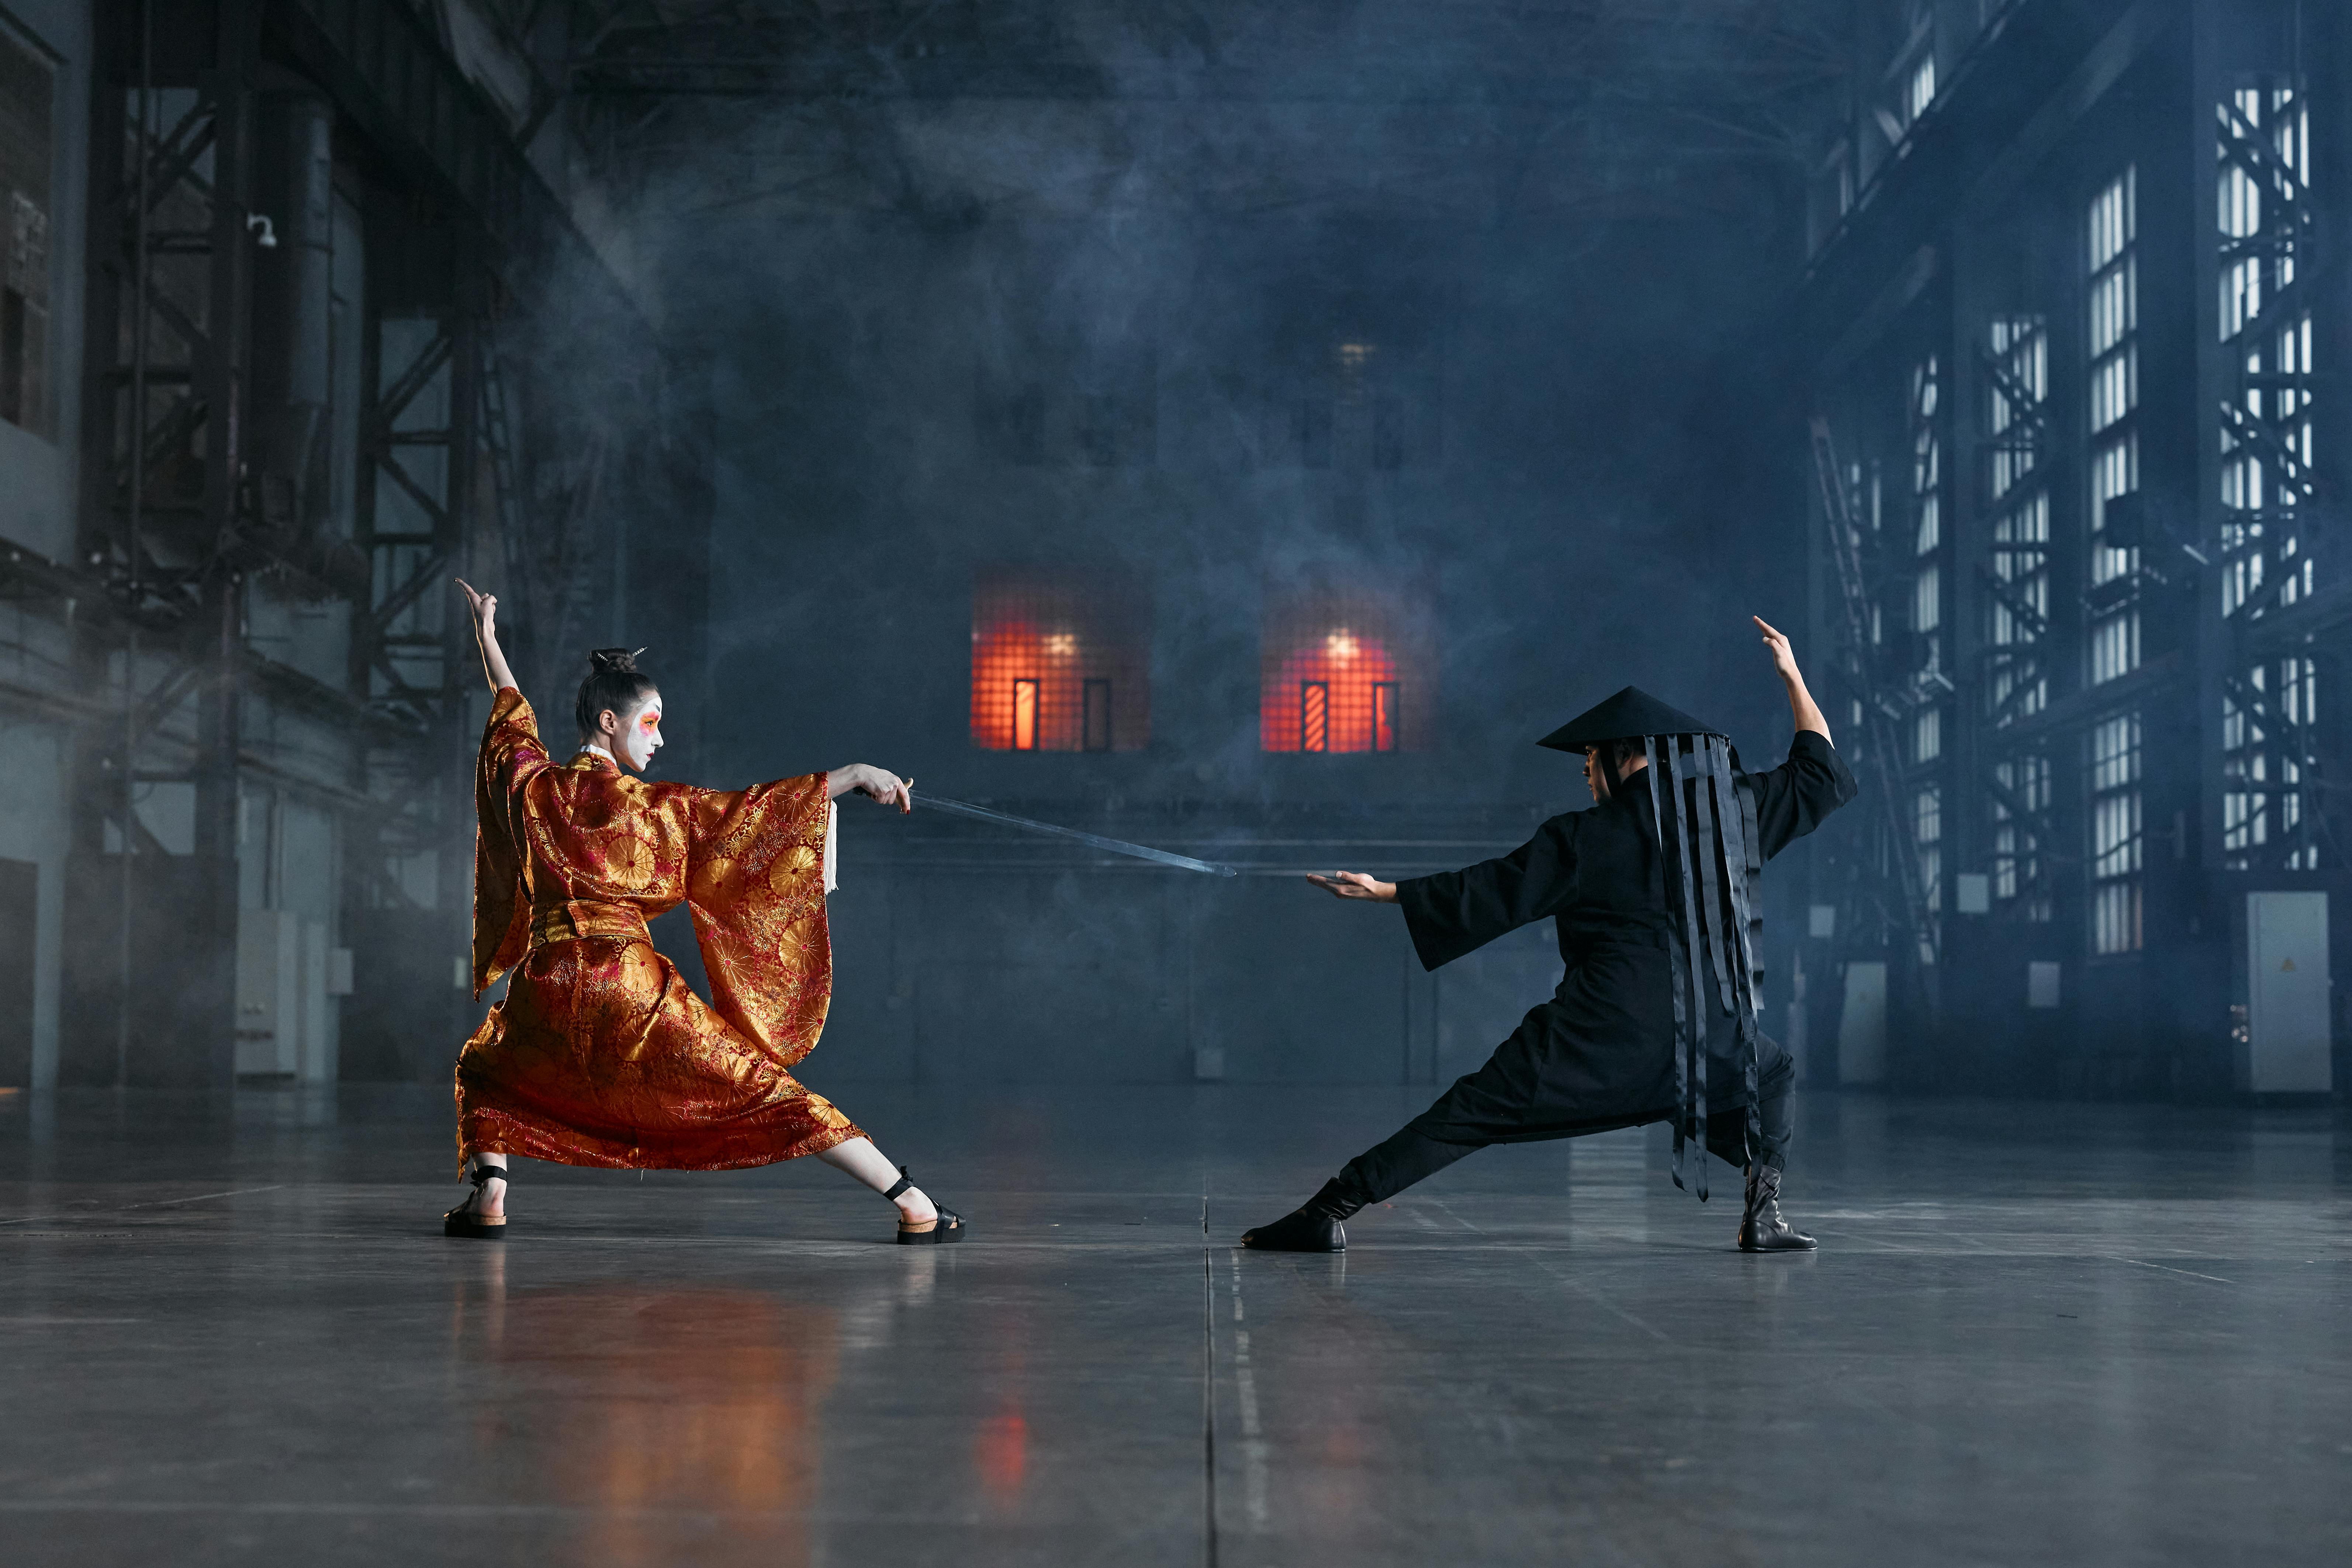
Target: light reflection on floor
2033	1334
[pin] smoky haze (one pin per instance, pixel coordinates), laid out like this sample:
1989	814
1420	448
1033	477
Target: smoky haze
955	325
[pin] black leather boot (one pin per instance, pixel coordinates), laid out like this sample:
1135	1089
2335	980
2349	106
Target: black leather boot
1761	1228
1313	1226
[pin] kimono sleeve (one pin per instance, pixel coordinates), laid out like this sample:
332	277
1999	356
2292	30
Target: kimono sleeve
755	885
1458	912
1792	799
511	753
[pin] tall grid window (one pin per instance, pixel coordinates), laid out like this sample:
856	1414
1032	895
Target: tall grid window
2021	610
1060	662
1926	543
1927	499
2263	148
2115	840
1928	829
2260	509
1919	89
2263	722
2021	385
2113	369
2018	606
2022	800
2264	186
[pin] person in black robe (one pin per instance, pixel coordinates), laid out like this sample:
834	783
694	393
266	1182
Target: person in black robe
1654	891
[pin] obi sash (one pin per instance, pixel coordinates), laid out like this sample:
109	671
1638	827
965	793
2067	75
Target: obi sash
574	919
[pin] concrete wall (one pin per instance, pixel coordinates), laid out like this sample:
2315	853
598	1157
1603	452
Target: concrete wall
32	764
36	498
38	478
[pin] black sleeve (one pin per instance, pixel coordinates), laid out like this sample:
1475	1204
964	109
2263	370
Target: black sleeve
1455	912
1791	799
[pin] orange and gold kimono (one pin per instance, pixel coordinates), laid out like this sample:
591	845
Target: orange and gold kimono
600	1054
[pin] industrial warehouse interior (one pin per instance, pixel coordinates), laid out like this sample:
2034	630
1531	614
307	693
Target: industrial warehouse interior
628	625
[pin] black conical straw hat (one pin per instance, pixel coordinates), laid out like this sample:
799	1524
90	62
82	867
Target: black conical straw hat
1631	712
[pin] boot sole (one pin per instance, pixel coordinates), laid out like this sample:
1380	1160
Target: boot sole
1338	1243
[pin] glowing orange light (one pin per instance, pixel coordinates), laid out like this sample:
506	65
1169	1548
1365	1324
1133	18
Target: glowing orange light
1336	665
1025	715
1056	657
1002	1453
1321	700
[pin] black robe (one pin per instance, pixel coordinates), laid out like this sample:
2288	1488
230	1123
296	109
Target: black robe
1600	1053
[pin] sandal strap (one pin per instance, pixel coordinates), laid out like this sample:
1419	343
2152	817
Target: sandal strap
482	1175
904	1182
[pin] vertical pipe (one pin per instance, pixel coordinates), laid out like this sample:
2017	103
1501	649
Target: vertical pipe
205	1013
138	501
292	347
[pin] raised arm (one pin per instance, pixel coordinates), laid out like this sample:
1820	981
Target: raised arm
1792	799
484	609
1801	706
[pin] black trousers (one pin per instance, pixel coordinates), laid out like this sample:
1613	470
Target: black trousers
1411	1153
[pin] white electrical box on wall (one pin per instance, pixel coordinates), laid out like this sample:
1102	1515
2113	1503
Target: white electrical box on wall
2285	1046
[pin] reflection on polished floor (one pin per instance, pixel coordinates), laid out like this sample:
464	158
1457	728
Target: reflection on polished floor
2032	1334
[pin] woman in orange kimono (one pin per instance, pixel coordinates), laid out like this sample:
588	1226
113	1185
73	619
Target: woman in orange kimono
601	1054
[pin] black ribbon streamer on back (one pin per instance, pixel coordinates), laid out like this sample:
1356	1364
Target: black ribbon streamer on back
1710	833
1743	865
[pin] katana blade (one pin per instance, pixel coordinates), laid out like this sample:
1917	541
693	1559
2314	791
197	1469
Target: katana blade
1115	846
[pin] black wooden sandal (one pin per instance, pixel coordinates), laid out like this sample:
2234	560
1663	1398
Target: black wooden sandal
948	1226
464	1220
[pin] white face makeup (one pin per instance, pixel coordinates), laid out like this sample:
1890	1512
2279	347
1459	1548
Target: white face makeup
640	735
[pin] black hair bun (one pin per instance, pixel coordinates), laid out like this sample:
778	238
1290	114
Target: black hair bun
614	660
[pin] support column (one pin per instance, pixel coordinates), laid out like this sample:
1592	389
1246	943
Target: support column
208	1011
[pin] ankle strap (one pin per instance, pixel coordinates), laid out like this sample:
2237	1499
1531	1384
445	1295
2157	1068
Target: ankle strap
481	1174
905	1181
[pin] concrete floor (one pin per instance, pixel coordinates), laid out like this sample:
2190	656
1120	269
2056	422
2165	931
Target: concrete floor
2033	1334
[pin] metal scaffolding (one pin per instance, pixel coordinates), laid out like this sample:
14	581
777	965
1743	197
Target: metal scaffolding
223	139
2133	580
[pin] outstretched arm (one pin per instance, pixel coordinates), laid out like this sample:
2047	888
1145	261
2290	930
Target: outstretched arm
1801	706
484	609
1354	884
883	787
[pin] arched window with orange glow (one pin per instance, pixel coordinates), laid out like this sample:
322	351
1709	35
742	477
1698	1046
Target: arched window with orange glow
1344	671
1060	662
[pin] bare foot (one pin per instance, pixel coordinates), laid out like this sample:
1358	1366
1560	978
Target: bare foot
916	1211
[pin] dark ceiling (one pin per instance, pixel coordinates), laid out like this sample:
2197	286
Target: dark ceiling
1461	110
